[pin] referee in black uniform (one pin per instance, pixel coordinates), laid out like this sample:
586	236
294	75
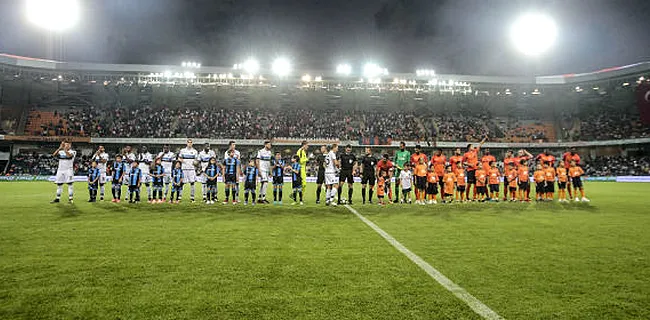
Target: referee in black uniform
320	178
348	163
368	174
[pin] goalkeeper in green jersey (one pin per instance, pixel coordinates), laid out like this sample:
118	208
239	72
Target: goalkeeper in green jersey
402	156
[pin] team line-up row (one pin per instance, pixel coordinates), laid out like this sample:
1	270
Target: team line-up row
453	179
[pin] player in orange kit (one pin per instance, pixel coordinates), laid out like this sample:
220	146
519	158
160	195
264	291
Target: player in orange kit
450	183
493	180
461	182
523	179
549	179
576	173
432	186
420	174
540	189
481	184
486	159
511	177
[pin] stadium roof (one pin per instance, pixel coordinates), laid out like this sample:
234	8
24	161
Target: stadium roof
51	65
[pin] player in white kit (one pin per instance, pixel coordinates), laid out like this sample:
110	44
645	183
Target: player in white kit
65	171
188	157
167	159
231	146
204	158
128	156
145	159
263	164
331	175
101	157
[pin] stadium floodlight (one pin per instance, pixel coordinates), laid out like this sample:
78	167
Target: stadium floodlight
425	72
318	79
53	15
184	64
371	70
281	67
533	34
306	78
344	69
250	66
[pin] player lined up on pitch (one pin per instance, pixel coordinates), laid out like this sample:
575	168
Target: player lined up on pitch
460	178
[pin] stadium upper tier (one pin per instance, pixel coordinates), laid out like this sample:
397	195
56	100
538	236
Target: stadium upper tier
45	98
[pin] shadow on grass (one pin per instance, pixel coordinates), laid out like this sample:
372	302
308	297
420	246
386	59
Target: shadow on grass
67	210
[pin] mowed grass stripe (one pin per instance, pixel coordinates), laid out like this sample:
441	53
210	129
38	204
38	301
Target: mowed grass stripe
539	261
479	307
108	261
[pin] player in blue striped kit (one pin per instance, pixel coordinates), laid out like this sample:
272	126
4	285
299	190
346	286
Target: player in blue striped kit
177	182
93	181
211	175
157	179
250	182
118	168
296	179
278	178
231	172
135	179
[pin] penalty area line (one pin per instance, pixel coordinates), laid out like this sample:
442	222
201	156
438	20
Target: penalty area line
475	304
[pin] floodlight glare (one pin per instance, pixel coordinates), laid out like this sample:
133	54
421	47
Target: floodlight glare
53	15
533	34
344	69
281	67
251	66
371	70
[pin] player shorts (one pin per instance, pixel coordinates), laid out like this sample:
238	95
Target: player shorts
264	176
146	178
278	181
133	188
540	187
331	179
432	188
524	185
230	178
405	191
93	186
368	179
346	175
320	177
471	176
167	177
421	182
102	177
550	186
210	182
202	179
561	185
250	185
481	190
158	184
64	177
512	189
297	185
494	188
189	176
577	182
460	188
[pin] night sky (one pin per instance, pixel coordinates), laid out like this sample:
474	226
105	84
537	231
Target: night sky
450	36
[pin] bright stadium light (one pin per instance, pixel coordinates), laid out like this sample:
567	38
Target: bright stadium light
371	70
344	69
306	78
533	34
281	67
250	66
53	15
425	72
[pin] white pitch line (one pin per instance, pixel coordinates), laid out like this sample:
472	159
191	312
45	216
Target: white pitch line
479	307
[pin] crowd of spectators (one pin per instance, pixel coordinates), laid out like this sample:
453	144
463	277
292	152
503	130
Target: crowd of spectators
617	166
611	126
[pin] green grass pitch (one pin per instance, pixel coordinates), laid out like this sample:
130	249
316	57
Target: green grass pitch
193	261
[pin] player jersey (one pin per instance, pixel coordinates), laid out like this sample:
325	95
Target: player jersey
158	170
454	160
510	162
295	177
177	175
303	158
264	156
523	174
145	160
128	158
421	170
384	166
415	158
347	161
330	162
251	174
494	175
449	180
549	174
471	159
102	160
550	159
575	172
406	179
562	175
211	170
204	157
118	169
432	177
167	160
481	177
278	168
568	157
188	156
512	177
230	165
538	176
93	173
401	157
460	177
485	161
381	186
320	163
66	163
368	162
438	163
135	176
